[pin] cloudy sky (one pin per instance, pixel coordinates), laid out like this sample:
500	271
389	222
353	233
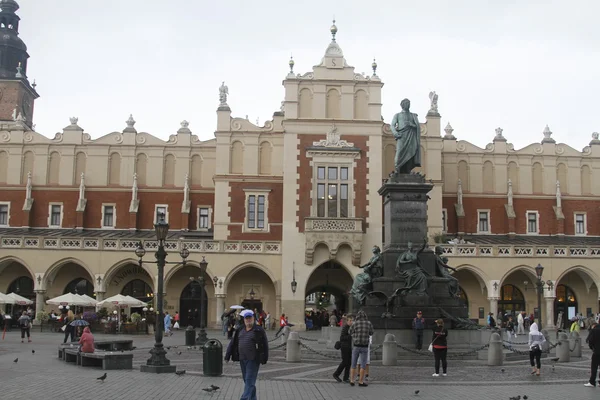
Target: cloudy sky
513	64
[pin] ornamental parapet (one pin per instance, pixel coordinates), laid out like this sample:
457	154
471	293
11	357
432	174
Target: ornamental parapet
475	250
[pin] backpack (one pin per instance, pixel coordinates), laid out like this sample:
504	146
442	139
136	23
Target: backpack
25	324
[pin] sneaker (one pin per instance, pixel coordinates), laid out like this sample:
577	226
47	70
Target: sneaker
363	384
337	378
435	375
445	374
589	385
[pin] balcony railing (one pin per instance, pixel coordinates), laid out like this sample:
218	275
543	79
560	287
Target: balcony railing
194	246
500	250
314	224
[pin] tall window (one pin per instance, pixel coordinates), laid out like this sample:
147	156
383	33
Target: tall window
484	221
580	224
203	218
108	216
532	222
256	211
4	214
55	215
332	192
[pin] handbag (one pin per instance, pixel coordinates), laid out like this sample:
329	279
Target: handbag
337	345
430	348
62	328
176	326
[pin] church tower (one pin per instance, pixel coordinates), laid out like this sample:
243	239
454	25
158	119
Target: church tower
17	95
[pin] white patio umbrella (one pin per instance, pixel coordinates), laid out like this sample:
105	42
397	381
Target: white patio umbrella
20	300
121	301
88	298
70	299
236	307
6	299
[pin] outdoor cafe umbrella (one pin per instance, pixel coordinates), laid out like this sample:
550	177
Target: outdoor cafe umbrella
70	299
236	307
6	299
88	298
20	300
122	301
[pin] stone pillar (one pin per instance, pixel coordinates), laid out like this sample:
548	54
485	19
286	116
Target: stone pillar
549	312
292	353
220	301
493	307
99	298
563	351
390	351
495	351
39	302
575	340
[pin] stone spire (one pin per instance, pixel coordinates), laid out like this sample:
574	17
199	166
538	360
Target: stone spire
459	193
186	205
558	195
334	56
547	136
130	125
28	198
448	129
499	137
510	193
82	200
595	139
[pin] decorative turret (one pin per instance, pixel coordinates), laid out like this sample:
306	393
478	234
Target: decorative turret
19	95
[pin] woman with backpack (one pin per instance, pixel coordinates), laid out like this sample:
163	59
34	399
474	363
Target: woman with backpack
25	324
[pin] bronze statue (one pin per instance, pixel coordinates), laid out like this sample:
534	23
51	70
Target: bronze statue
442	267
362	283
408	267
407	132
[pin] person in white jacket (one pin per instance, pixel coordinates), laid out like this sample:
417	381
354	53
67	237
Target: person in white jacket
520	324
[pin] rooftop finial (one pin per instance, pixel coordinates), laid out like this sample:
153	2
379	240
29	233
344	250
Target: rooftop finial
374	66
291	64
333	30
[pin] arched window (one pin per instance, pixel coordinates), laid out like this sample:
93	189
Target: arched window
513	175
196	170
332	107
80	161
511	300
305	103
23	286
561	176
361	105
4	166
138	289
28	160
140	168
114	169
54	168
264	157
236	162
80	286
488	177
169	170
463	175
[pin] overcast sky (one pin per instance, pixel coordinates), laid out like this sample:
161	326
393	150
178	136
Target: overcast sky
513	64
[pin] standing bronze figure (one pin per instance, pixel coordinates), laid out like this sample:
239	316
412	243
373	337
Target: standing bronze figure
407	132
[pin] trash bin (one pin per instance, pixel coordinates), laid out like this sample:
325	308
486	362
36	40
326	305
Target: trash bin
213	358
190	336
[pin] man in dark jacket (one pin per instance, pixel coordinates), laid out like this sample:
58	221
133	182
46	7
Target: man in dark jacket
594	343
250	347
346	350
418	325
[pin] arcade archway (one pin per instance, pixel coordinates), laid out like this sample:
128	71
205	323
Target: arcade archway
80	286
329	285
565	303
511	300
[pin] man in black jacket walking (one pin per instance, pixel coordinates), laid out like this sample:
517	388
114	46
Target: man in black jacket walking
250	347
594	343
346	350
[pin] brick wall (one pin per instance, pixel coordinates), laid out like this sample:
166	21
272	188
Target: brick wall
237	213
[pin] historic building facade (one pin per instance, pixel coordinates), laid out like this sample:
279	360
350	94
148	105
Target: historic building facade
285	210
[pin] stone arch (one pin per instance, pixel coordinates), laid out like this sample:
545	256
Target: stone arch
112	270
8	260
80	165
561	177
333	100
389	153
537	178
463	174
169	170
141	166
3	166
488	177
361	104
586	180
526	269
478	273
588	276
53	168
305	103
513	175
250	264
27	166
333	277
236	158
196	170
264	157
114	169
169	274
49	281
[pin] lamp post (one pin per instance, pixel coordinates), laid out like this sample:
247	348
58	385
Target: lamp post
158	362
540	288
202	338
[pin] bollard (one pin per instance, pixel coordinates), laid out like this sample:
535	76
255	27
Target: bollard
334	336
284	334
390	351
546	345
563	350
292	353
495	351
575	340
324	335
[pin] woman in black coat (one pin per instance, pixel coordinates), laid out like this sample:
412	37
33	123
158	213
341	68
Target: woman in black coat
346	350
439	343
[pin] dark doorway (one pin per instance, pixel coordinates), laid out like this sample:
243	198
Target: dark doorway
80	286
23	286
193	305
140	290
252	304
567	303
463	298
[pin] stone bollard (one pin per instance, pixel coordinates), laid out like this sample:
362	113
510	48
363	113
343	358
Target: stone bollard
563	350
292	353
495	351
575	340
390	350
324	335
285	333
334	336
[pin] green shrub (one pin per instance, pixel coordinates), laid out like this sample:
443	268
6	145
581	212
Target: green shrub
135	317
42	316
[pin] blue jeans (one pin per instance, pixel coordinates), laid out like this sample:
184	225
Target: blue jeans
250	374
363	352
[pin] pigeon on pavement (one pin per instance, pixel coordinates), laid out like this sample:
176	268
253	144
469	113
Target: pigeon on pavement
32	351
102	378
213	387
16	360
182	372
417	392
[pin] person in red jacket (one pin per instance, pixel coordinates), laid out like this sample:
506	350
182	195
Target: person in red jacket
87	341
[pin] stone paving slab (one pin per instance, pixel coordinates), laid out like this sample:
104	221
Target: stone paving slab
43	376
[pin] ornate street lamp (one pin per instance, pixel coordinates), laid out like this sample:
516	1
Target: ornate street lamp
539	270
158	362
252	294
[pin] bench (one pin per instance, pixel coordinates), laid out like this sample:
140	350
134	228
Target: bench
64	346
71	355
107	360
114	345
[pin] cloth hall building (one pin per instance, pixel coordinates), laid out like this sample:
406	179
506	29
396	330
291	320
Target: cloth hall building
284	210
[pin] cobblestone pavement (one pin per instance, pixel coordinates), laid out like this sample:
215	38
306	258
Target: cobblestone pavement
43	375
